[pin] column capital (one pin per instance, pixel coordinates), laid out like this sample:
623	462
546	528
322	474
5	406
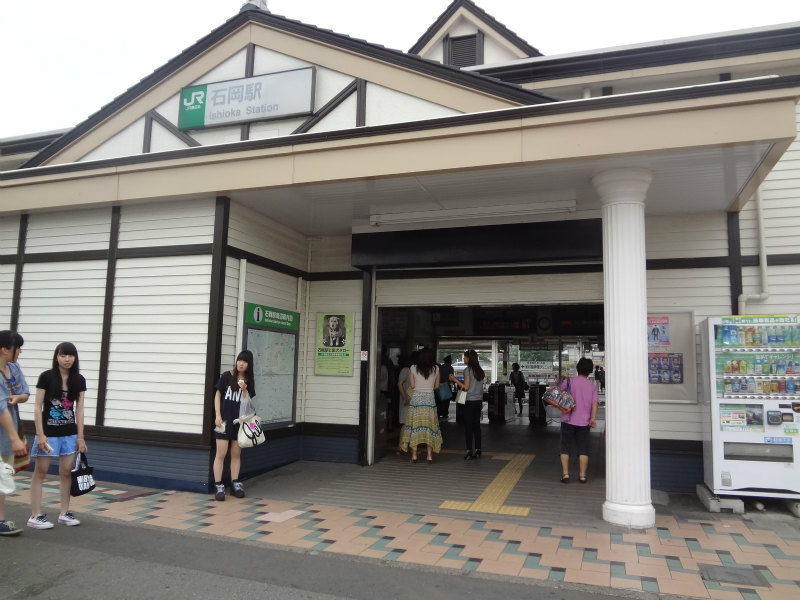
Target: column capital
622	185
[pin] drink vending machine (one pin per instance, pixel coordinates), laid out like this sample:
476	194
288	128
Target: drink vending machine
752	406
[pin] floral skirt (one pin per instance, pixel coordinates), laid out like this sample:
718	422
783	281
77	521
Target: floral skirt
422	423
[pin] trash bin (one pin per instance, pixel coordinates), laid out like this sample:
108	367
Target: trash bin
496	397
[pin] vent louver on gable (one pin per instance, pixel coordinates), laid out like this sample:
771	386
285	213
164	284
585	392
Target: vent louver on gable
464	51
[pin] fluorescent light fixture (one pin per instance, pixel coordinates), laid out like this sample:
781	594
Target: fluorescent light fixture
461	213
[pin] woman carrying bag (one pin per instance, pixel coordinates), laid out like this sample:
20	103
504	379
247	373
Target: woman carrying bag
232	386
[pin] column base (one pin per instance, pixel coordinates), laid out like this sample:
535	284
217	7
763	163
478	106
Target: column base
639	516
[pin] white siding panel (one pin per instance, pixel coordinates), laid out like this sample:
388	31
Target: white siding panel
167	223
329	399
6	294
501	290
9	234
69	230
341	117
158	347
162	140
331	254
253	232
63	302
230	314
706	292
784	289
128	142
389	106
270	288
686	236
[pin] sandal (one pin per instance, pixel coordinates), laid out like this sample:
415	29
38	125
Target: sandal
582	479
565	478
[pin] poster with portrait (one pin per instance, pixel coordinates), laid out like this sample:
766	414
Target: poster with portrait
334	347
671	360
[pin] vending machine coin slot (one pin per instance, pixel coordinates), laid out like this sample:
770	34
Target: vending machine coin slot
774	417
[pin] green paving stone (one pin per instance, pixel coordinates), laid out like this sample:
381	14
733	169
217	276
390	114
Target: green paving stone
748	594
471	564
726	557
565	543
513	548
532	562
649	585
394	555
778	553
556	575
643	550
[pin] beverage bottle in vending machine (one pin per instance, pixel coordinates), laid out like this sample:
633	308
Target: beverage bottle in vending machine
748	336
734	335
751	385
779	336
757	337
726	335
790	386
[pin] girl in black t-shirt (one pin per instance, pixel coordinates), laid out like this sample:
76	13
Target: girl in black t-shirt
231	388
58	417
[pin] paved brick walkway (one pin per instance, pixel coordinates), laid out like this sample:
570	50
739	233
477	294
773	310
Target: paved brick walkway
677	556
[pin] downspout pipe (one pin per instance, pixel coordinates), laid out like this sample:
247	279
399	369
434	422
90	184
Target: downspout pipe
762	260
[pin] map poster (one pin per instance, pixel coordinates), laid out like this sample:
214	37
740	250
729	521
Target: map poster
334	347
271	335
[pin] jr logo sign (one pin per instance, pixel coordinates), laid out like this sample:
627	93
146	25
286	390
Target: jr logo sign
193	105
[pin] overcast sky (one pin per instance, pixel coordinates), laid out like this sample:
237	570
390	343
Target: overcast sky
62	60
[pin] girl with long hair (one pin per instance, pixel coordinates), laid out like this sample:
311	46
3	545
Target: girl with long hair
422	422
473	384
58	416
231	388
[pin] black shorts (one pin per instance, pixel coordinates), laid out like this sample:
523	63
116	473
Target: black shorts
231	432
574	437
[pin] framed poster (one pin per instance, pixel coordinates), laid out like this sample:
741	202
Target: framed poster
671	362
334	347
271	335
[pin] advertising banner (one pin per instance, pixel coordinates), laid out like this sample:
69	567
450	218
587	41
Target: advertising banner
273	96
334	347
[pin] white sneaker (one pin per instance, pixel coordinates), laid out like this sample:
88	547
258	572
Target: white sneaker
68	519
40	522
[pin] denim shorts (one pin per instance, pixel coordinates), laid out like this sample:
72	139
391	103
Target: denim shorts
62	446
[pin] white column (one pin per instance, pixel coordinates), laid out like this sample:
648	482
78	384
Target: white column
622	194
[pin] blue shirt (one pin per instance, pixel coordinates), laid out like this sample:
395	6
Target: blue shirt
18	386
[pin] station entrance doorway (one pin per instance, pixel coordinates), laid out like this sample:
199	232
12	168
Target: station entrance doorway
545	341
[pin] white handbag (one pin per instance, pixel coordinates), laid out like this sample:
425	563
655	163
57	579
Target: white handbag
461	397
250	431
7	485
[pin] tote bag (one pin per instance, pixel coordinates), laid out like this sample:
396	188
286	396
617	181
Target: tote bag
82	476
250	432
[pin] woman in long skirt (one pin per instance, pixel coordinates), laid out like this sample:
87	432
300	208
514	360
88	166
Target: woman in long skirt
422	422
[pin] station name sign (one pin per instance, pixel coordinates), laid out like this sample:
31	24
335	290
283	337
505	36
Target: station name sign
261	98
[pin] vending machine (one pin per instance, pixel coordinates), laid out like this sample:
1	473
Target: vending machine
752	406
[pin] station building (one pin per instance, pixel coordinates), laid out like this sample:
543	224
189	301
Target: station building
296	173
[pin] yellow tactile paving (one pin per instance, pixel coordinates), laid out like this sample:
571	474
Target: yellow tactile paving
493	497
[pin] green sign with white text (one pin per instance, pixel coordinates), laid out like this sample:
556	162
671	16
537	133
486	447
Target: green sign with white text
267	316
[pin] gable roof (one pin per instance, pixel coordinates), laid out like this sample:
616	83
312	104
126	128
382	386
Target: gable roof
251	14
480	14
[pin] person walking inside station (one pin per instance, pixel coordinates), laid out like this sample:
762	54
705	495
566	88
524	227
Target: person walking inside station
517	379
58	416
13	391
227	401
473	384
422	422
575	425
